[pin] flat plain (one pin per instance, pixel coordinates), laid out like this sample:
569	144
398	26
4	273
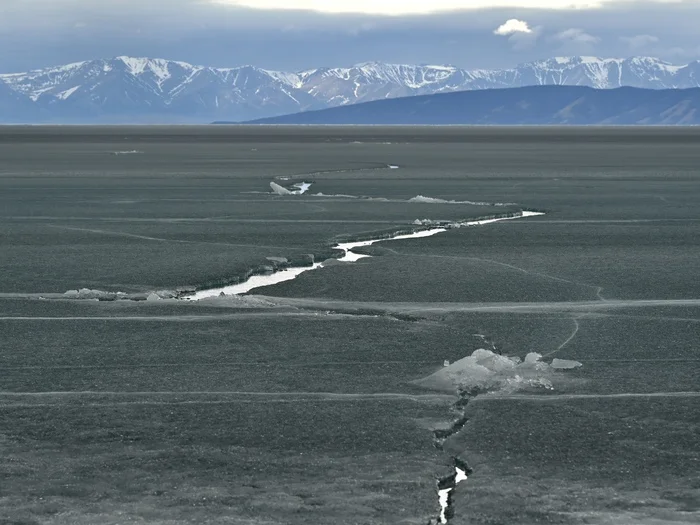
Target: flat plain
297	403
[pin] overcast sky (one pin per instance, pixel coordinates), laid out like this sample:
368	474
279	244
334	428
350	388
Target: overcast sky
299	34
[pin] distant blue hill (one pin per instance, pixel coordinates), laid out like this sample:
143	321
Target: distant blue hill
535	105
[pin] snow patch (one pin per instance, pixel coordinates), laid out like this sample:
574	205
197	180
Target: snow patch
63	95
136	65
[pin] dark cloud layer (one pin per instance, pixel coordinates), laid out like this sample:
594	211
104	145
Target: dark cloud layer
37	33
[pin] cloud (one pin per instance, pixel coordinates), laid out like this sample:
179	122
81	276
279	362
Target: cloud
639	41
512	26
520	35
576	36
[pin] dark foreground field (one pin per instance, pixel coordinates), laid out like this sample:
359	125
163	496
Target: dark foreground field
299	405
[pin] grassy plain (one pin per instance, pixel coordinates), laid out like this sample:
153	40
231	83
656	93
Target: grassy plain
300	408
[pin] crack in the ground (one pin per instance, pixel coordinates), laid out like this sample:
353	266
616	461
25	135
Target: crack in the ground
343	250
446	485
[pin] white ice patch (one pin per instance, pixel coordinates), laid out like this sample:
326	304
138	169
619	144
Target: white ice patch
336	195
565	364
350	256
301	188
419	199
485	370
432	200
131	152
444	499
461	475
519	215
87	293
444	495
102	295
279	190
256	281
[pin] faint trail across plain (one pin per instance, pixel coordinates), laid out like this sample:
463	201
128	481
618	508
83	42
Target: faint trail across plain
166	240
598	289
577	326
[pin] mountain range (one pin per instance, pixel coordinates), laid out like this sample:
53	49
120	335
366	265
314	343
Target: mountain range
531	105
144	90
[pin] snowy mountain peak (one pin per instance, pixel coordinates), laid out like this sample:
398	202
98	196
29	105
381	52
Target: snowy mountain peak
136	66
137	88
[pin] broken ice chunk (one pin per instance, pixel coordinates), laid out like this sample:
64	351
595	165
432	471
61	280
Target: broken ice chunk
532	358
279	190
302	187
565	364
486	370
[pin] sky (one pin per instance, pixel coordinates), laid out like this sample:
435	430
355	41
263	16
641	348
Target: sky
293	35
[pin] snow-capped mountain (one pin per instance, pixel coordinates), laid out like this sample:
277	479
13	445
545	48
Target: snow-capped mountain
141	89
127	89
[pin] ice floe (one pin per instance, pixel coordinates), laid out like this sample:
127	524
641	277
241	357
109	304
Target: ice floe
487	371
